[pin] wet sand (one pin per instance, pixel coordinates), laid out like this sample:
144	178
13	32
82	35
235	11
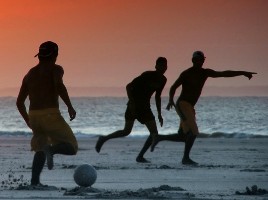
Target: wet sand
226	168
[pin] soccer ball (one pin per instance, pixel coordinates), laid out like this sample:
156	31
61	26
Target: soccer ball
85	175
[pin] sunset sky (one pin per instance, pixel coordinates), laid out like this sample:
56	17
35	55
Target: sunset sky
109	42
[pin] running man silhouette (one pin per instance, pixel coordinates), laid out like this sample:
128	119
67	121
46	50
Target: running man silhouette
51	134
139	93
192	81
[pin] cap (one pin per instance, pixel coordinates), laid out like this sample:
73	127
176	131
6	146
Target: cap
46	49
199	54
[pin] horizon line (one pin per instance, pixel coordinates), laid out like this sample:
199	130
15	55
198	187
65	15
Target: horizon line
119	91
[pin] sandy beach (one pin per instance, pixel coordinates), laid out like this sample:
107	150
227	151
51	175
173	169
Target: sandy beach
226	168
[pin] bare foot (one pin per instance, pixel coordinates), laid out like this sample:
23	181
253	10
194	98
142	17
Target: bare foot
188	161
142	160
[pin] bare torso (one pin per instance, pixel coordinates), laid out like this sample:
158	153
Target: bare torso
40	83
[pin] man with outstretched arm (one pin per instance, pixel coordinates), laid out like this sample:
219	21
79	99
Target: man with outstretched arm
192	81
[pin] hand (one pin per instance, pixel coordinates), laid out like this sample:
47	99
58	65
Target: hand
161	121
72	113
249	74
170	105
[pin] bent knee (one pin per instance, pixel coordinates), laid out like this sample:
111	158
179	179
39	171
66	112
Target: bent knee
126	132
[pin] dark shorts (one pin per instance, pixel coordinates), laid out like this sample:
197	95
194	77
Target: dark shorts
143	115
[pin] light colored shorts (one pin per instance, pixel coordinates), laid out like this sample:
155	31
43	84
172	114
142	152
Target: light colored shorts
187	115
49	127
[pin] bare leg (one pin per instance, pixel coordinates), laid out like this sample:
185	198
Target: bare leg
188	146
37	167
151	126
121	133
173	138
145	147
177	137
61	148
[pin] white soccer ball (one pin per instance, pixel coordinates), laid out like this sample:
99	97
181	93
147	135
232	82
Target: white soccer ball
85	175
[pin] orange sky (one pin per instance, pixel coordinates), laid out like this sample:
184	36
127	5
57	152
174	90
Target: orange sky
109	42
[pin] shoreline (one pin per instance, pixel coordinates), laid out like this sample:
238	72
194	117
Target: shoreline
84	136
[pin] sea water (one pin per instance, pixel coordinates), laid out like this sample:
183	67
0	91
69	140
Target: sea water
216	117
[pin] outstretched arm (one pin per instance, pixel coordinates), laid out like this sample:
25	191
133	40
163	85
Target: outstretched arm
229	73
63	93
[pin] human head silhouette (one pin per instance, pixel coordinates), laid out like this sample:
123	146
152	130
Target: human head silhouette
47	51
198	58
161	64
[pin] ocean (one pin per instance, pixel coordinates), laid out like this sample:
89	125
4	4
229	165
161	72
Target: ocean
239	117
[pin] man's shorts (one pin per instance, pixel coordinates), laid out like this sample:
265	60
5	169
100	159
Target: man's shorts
49	127
143	114
187	115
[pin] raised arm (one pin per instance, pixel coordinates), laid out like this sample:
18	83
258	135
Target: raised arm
62	91
21	101
229	73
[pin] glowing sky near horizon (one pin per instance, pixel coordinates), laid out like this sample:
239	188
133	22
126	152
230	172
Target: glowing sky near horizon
109	42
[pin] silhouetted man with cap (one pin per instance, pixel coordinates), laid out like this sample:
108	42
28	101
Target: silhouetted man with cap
51	134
